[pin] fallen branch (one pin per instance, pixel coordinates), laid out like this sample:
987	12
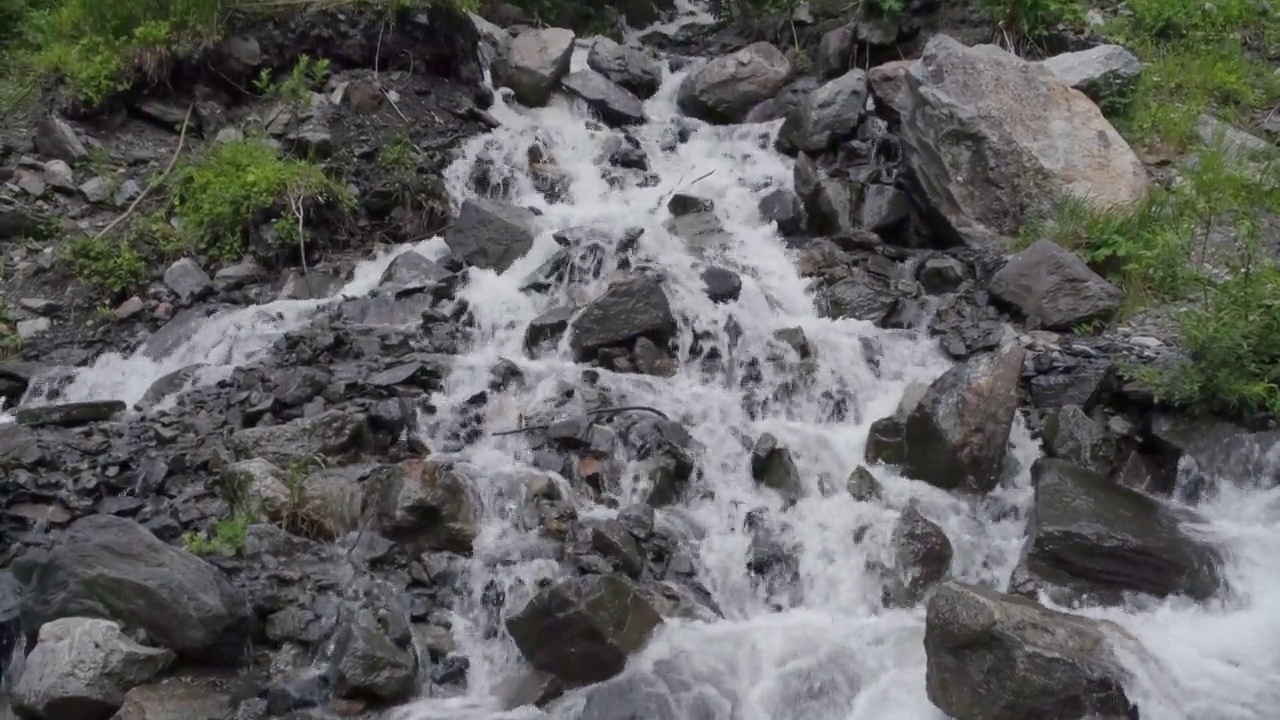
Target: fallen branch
589	413
182	138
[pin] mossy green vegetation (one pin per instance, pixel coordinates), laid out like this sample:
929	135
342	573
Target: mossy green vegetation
99	48
211	205
1205	244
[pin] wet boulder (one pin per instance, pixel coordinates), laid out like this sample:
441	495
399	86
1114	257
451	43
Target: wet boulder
113	568
81	668
583	630
826	116
629	67
1071	435
1054	289
425	505
783	207
1104	72
772	467
532	63
489	234
1203	451
615	105
10	614
955	437
997	657
630	309
1092	539
994	139
725	89
828	202
721	285
411	272
333	433
922	551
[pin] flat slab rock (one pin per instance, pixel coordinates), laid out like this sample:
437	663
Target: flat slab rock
69	414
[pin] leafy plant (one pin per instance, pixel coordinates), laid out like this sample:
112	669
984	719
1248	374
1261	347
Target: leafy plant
217	198
226	538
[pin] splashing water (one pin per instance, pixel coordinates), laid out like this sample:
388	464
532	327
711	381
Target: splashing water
835	653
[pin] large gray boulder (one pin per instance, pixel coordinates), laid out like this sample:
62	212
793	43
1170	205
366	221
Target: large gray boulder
424	505
725	89
630	309
994	139
369	664
629	67
1092	539
615	105
956	434
997	657
113	568
489	234
583	630
1103	72
81	668
532	63
826	116
1054	288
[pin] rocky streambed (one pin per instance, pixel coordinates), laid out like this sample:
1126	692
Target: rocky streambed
714	393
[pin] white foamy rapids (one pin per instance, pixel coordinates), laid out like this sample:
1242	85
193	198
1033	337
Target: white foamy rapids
219	343
835	653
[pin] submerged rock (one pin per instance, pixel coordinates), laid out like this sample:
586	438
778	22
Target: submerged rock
627	310
955	436
997	657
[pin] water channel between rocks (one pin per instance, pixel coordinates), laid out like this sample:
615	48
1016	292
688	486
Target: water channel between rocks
824	647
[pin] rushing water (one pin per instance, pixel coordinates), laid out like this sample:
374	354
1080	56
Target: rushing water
832	652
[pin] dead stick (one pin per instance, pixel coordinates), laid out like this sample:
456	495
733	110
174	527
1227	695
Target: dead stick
182	138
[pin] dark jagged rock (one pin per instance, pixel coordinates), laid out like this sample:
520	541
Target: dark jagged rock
997	657
1071	435
333	433
783	208
583	630
490	234
616	106
109	567
956	435
685	204
533	62
1092	539
369	664
81	668
922	552
722	285
626	311
772	467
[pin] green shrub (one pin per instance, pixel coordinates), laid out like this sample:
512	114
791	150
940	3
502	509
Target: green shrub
111	264
217	198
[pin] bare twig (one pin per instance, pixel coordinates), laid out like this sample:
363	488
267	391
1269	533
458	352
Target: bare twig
182	138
